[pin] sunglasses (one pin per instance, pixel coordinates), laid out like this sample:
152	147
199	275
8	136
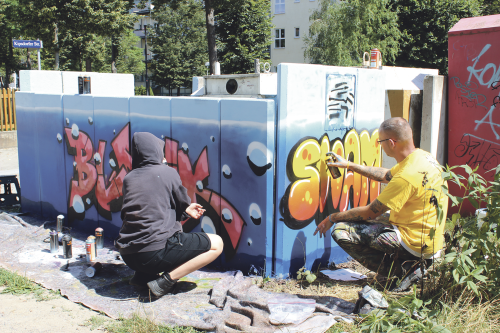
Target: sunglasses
380	141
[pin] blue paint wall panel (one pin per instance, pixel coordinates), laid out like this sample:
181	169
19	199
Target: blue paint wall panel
196	130
151	115
247	152
79	125
49	121
28	152
304	107
111	116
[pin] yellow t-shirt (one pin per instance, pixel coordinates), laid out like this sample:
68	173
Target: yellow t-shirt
408	196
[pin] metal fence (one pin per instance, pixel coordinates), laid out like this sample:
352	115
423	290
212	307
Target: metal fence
7	110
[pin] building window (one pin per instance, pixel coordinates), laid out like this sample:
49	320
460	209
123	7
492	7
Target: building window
279	7
279	40
297	32
297	1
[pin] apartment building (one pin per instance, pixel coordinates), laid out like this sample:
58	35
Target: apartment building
291	21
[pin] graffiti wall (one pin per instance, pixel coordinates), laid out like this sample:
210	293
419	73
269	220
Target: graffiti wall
474	95
74	152
322	109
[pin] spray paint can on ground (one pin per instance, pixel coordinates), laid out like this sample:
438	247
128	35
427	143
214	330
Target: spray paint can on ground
92	238
90	249
99	238
60	222
335	172
54	242
94	268
66	244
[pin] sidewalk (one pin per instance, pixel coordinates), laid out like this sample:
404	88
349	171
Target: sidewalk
9	162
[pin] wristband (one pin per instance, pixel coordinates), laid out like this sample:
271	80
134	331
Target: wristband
330	218
347	167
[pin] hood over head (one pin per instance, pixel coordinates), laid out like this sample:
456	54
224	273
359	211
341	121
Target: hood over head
146	149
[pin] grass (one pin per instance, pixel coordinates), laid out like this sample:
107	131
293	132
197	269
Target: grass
138	324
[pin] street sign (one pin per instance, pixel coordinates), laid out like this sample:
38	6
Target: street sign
28	44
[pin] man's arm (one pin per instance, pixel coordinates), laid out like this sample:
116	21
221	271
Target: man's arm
382	175
374	209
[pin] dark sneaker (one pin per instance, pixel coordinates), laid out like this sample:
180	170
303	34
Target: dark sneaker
141	280
409	280
162	286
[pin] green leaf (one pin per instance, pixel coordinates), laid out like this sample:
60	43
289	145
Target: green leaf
455	217
467	169
310	278
473	202
440	329
473	287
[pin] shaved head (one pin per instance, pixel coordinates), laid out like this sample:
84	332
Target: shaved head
398	129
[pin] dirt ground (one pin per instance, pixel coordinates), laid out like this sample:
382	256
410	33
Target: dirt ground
23	313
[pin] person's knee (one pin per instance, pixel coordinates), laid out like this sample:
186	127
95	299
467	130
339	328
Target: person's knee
340	233
217	243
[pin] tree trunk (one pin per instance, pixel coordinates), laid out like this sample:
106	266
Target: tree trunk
88	65
8	63
28	58
56	43
114	52
212	48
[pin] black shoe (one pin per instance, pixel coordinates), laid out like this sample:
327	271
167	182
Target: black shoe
162	286
408	281
142	279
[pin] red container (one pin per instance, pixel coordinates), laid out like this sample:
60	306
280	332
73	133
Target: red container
474	96
375	59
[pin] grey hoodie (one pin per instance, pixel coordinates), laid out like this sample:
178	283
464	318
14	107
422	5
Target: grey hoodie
154	199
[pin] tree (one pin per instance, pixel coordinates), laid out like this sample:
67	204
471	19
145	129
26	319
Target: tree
243	34
51	19
209	6
491	7
179	44
10	28
425	26
341	32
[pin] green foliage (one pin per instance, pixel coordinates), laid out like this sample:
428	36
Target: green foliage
491	7
243	29
473	248
341	32
406	314
10	58
424	25
304	273
76	25
141	91
179	44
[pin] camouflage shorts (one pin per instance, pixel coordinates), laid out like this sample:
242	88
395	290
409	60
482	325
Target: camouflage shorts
373	245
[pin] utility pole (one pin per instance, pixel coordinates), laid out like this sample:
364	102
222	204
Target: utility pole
146	57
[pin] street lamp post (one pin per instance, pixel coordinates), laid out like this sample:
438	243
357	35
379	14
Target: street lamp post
146	57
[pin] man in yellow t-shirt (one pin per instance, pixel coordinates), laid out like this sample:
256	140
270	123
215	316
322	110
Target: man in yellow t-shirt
414	197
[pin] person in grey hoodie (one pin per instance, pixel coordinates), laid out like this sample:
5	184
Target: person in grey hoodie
151	240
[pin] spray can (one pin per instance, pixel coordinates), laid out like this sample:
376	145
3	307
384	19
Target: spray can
94	268
89	245
60	222
54	242
92	238
99	238
66	244
375	59
334	171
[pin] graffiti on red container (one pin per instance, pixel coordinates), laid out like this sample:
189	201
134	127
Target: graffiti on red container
313	192
89	184
194	178
487	75
480	151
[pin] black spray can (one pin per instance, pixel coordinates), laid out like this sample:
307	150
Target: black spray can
335	172
99	238
66	244
54	242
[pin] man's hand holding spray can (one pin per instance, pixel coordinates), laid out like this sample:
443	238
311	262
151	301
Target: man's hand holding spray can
330	160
